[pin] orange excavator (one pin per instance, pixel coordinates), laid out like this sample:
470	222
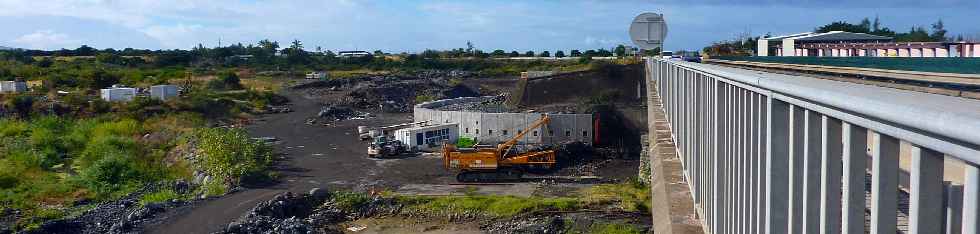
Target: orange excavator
500	163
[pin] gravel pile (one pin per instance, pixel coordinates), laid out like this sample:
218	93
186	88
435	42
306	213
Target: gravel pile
542	225
493	104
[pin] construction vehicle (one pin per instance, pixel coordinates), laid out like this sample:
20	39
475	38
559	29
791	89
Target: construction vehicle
382	147
499	163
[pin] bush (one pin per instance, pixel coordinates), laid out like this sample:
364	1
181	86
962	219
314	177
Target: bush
231	154
464	142
226	81
110	174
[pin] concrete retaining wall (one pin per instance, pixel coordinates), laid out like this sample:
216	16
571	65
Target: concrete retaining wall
490	128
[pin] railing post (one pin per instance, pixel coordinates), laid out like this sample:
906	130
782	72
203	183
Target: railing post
797	136
971	199
777	167
763	160
721	140
811	171
926	200
884	184
855	161
830	179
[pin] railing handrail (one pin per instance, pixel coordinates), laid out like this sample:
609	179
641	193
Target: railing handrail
943	118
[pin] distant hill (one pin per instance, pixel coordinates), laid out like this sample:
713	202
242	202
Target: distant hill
6	48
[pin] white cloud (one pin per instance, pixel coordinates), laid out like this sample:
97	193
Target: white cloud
46	39
177	36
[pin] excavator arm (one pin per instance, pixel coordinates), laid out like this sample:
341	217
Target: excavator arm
506	146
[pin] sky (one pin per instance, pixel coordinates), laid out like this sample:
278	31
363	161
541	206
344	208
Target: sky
414	25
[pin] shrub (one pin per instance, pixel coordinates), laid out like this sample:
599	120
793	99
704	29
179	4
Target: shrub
109	174
226	81
464	142
231	154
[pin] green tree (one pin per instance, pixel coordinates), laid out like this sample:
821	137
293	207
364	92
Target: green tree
620	50
576	53
545	54
514	54
498	53
529	54
938	31
559	54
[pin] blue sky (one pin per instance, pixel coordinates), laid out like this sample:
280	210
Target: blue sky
396	26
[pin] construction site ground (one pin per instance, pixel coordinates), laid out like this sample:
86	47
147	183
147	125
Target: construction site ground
329	155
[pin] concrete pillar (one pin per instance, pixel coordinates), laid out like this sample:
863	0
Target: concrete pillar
884	184
762	48
942	52
789	47
926	200
820	52
855	143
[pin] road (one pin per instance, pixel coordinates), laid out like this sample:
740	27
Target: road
315	156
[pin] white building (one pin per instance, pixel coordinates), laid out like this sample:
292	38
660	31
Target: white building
163	92
317	75
354	54
428	137
13	86
118	94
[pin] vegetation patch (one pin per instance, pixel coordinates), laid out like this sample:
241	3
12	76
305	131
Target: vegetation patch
495	206
630	196
165	195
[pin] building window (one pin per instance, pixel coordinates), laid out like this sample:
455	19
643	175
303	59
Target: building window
477	130
535	133
490	132
505	132
551	132
477	122
519	130
467	130
568	133
585	133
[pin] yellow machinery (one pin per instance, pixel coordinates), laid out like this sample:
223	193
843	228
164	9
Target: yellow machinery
487	164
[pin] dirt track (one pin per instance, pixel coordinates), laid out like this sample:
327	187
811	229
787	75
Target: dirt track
315	156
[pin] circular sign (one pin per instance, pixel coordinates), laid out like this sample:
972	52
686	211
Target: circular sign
648	31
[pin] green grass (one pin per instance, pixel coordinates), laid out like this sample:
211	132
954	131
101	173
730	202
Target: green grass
350	201
214	187
496	206
613	228
629	196
159	196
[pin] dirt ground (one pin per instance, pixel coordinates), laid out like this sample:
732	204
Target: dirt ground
313	156
332	157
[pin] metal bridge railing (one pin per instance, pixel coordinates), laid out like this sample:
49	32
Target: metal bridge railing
770	153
